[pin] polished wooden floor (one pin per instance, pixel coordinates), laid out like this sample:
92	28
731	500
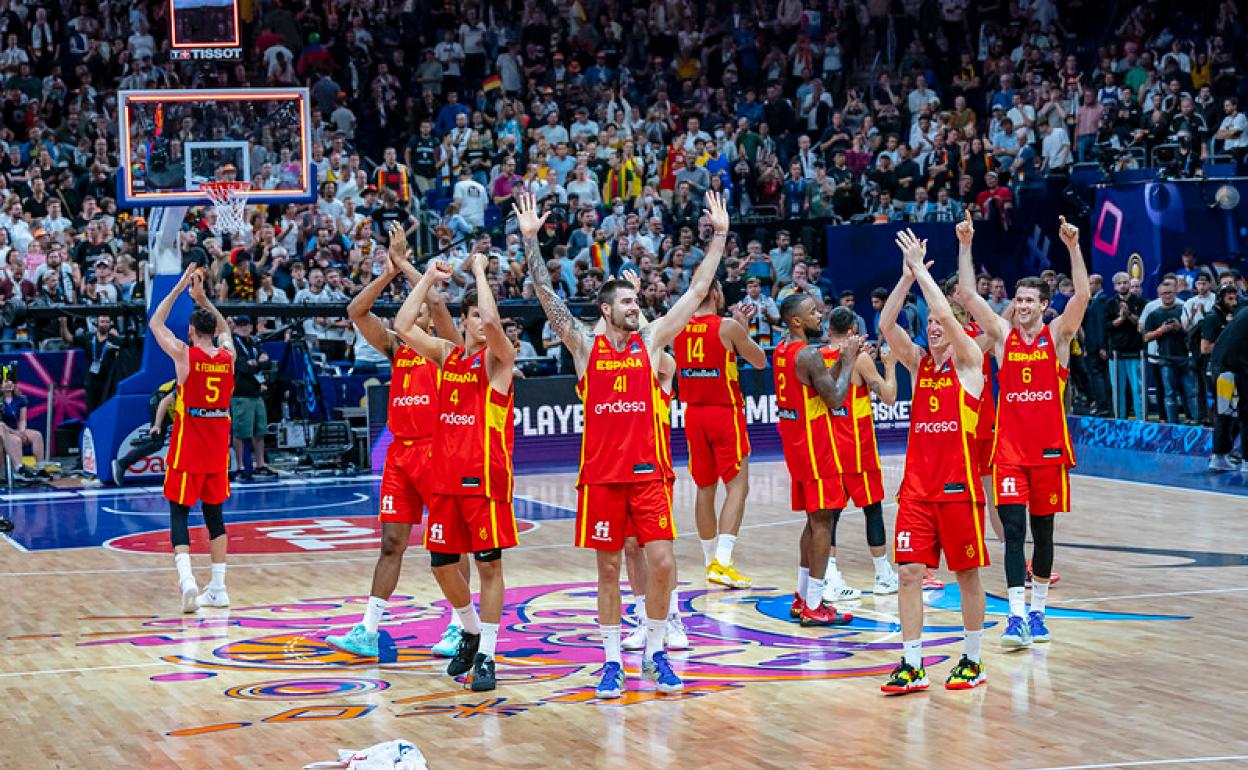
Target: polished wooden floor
100	670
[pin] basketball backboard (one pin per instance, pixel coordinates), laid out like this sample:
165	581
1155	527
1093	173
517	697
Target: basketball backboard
172	141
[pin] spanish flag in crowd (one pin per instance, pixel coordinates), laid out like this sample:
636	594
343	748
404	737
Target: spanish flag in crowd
492	83
623	182
600	256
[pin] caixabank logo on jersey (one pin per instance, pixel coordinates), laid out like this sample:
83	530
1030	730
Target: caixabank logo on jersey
548	653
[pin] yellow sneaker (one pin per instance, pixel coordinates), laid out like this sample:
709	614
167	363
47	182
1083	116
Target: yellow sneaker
726	576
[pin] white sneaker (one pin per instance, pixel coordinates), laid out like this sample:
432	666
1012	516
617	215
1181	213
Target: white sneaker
636	640
212	597
1220	463
839	592
190	594
675	638
886	584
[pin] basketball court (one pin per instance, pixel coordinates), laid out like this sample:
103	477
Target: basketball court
102	669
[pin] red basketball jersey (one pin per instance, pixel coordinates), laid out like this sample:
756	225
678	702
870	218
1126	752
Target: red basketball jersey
475	433
940	466
200	441
1031	418
414	381
805	426
987	406
853	424
707	368
623	437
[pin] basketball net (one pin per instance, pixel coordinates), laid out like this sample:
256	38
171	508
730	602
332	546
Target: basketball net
229	202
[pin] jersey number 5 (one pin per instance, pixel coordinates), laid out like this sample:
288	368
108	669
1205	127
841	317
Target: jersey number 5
214	391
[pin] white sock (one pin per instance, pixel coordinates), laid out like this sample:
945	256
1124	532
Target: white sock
723	549
373	612
468	617
218	576
708	551
489	639
833	575
1018	601
803	579
814	592
455	621
882	567
183	562
673	604
611	643
639	602
1039	595
971	647
913	652
655	631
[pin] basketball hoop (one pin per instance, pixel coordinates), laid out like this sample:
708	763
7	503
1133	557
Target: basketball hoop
228	201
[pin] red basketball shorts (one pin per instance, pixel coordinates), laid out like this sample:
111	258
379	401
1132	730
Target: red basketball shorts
718	443
403	480
816	495
469	523
187	488
608	513
863	488
925	528
1044	489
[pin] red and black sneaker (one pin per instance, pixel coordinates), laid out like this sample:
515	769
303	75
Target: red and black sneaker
795	611
823	615
905	679
1054	578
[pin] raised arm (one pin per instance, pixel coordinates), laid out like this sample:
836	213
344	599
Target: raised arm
361	307
397	256
966	353
831	383
174	347
995	327
883	386
575	336
737	330
225	338
664	330
501	350
899	343
1066	325
405	321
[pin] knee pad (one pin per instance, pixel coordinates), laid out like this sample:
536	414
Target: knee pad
875	525
494	554
178	532
1042	550
443	559
1014	522
214	520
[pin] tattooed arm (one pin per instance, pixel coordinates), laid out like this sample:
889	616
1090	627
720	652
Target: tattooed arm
575	335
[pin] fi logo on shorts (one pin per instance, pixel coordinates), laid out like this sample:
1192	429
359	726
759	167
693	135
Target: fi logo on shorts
602	530
1009	486
387	504
435	533
903	541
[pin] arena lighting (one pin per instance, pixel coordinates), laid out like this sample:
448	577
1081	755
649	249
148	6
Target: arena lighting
1226	198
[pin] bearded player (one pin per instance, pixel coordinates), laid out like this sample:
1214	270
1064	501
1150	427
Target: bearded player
808	390
707	350
470	471
940	504
1033	454
623	484
411	417
199	446
853	427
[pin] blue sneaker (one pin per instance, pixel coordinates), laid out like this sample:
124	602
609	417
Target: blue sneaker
357	642
1039	631
659	670
446	647
612	683
1017	634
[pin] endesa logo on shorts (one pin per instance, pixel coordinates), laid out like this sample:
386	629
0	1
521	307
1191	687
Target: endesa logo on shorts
1030	396
417	400
620	407
458	419
945	426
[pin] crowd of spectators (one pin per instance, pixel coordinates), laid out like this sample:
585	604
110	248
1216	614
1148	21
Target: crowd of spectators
619	117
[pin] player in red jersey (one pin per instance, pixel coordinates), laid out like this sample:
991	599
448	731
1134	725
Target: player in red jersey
808	390
199	446
470	470
1032	455
624	474
719	447
940	505
412	415
853	426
